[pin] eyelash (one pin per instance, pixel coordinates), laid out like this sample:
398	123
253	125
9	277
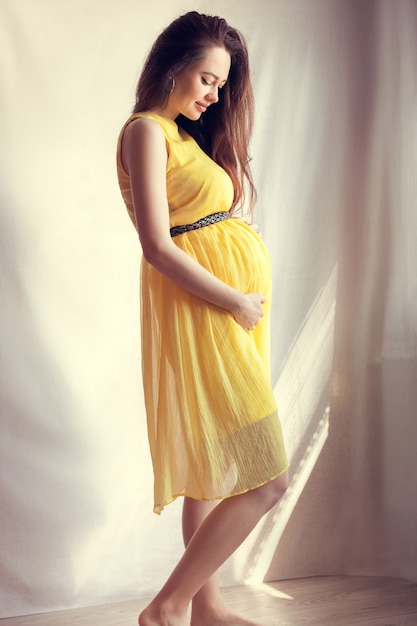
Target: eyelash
207	84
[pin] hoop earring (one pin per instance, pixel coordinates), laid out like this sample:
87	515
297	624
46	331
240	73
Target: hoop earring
169	85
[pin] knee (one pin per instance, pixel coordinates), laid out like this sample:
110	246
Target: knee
270	493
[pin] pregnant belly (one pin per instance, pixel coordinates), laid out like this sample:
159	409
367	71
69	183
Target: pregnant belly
233	252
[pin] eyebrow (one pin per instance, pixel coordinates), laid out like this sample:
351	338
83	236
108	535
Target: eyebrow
214	76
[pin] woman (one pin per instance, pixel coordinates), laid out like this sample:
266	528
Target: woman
213	427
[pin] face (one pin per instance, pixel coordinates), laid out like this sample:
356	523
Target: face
197	87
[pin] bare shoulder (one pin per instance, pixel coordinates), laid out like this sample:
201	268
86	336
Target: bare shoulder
142	135
144	127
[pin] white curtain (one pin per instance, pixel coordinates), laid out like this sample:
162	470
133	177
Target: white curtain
334	155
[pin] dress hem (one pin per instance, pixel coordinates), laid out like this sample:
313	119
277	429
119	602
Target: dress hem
160	507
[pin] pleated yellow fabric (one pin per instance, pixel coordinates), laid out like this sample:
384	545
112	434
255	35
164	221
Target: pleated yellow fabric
212	418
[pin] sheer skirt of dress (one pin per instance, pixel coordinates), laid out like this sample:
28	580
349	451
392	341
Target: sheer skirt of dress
213	425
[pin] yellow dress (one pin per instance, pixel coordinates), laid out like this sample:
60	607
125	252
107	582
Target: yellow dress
212	418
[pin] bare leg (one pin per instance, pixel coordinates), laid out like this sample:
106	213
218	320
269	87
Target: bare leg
222	531
208	607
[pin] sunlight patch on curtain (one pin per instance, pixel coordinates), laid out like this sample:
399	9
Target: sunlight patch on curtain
302	392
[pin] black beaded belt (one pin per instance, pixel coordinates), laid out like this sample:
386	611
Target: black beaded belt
204	221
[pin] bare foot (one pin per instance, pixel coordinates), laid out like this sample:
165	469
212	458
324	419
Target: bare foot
159	615
221	617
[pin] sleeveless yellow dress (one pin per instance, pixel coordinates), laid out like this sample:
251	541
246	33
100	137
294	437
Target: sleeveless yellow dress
212	418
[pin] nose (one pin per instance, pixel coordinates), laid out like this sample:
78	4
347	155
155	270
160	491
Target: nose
213	94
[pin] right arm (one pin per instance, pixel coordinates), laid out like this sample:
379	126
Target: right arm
144	157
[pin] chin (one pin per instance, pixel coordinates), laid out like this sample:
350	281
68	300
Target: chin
193	117
192	114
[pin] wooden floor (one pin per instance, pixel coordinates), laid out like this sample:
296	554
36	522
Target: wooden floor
325	601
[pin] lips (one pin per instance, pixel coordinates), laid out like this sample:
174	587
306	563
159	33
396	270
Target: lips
201	107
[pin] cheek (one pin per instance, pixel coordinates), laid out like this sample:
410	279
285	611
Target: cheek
196	85
186	89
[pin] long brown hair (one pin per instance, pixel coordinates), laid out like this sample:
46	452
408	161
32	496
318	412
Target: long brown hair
224	131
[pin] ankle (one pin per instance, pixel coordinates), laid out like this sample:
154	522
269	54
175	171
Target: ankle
163	611
204	600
